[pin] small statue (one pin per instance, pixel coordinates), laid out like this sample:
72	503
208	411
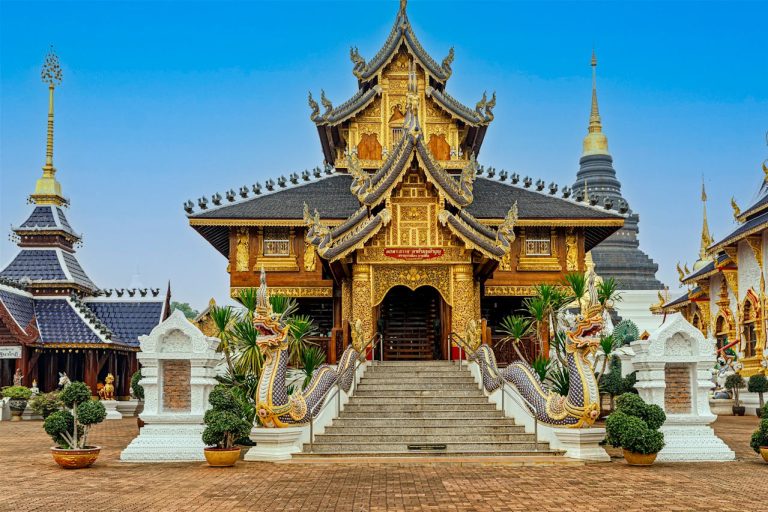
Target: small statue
18	377
106	391
35	390
63	380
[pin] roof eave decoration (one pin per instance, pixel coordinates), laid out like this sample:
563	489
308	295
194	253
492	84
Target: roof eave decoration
460	194
481	116
337	244
759	223
401	32
334	116
492	245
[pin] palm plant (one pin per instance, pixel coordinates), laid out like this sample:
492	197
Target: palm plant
515	327
577	282
223	318
300	329
541	366
248	297
559	379
608	293
311	359
536	308
283	306
248	359
608	344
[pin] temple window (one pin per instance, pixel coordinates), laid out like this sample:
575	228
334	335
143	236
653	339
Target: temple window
721	332
538	241
277	241
748	330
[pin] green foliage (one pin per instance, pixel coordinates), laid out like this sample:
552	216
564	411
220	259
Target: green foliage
91	412
514	328
224	422
757	383
735	383
46	404
283	306
629	383
559	378
612	383
577	282
300	328
634	425
311	359
185	308
249	298
58	424
136	388
541	366
625	332
248	356
608	293
760	436
16	392
75	394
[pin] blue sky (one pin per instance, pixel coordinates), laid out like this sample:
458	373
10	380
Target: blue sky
162	102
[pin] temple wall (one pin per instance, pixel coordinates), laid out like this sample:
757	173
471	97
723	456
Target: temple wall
749	271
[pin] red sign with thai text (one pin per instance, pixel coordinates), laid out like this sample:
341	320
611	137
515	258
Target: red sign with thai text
415	253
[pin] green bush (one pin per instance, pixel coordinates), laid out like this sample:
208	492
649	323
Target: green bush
138	389
734	383
757	383
46	404
58	425
17	392
75	393
634	426
224	422
91	413
760	436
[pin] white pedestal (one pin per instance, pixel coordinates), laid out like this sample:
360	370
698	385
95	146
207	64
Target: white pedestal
112	412
582	443
5	410
274	443
127	407
172	442
29	414
689	438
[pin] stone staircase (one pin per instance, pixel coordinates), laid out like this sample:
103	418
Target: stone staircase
422	408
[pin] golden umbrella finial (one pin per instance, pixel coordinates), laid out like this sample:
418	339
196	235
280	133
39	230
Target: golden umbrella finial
51	72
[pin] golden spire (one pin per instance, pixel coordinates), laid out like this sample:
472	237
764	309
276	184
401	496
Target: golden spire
47	189
706	237
595	143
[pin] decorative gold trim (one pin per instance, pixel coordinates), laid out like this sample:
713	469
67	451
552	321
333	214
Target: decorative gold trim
276	264
723	245
259	222
291	291
512	291
558	222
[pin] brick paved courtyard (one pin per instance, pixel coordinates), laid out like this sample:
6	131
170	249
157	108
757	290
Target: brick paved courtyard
30	480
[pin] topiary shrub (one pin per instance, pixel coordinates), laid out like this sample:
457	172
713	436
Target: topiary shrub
760	436
69	429
734	383
634	426
16	392
136	388
46	404
758	384
224	422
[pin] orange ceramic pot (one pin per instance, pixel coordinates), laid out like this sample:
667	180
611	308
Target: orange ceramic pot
764	453
75	459
222	457
639	459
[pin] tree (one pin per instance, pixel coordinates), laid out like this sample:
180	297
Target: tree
185	308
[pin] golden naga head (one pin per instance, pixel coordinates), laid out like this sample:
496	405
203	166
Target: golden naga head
589	323
271	332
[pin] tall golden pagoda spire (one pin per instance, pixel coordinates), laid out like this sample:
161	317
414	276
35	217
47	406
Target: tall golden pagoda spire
47	188
706	237
595	143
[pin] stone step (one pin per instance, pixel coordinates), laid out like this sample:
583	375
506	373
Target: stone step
435	415
451	447
516	458
418	400
376	438
411	378
446	406
493	421
422	386
408	430
375	394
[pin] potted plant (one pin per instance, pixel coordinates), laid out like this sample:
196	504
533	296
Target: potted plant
224	424
69	428
733	384
137	390
758	384
759	441
18	396
634	426
46	404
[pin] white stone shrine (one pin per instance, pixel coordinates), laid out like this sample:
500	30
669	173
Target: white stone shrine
674	372
178	373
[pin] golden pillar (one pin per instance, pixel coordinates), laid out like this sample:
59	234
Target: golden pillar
465	303
362	309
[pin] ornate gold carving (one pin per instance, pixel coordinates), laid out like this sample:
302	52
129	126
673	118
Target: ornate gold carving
732	278
346	300
291	291
385	277
472	334
756	244
511	291
362	308
310	259
358	334
259	222
571	251
463	298
539	263
506	262
276	264
242	255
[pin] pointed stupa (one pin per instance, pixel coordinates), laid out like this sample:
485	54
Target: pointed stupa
619	256
706	237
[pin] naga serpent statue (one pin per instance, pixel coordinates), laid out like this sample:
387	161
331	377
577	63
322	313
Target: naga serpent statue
581	406
274	406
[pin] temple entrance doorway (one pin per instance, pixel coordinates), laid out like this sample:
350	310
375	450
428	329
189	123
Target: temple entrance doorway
411	324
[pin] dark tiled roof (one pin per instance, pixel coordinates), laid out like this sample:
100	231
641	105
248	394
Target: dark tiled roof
58	323
41	217
78	274
706	269
36	265
456	108
63	220
19	305
680	300
128	320
754	225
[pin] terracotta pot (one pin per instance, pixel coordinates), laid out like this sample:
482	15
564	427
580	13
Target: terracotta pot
222	457
639	459
75	459
739	411
17	406
764	453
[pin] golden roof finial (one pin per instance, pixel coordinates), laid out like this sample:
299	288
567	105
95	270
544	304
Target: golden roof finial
706	237
765	162
403	5
595	143
736	209
47	189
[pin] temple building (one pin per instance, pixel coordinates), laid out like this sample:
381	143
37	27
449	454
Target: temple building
53	317
726	286
401	231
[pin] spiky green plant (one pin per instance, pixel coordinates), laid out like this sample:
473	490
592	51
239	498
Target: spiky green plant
248	297
559	379
577	282
536	307
608	293
608	344
283	306
541	366
248	358
223	318
311	359
300	329
514	328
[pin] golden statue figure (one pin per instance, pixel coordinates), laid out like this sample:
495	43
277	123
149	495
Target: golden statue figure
309	258
106	391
